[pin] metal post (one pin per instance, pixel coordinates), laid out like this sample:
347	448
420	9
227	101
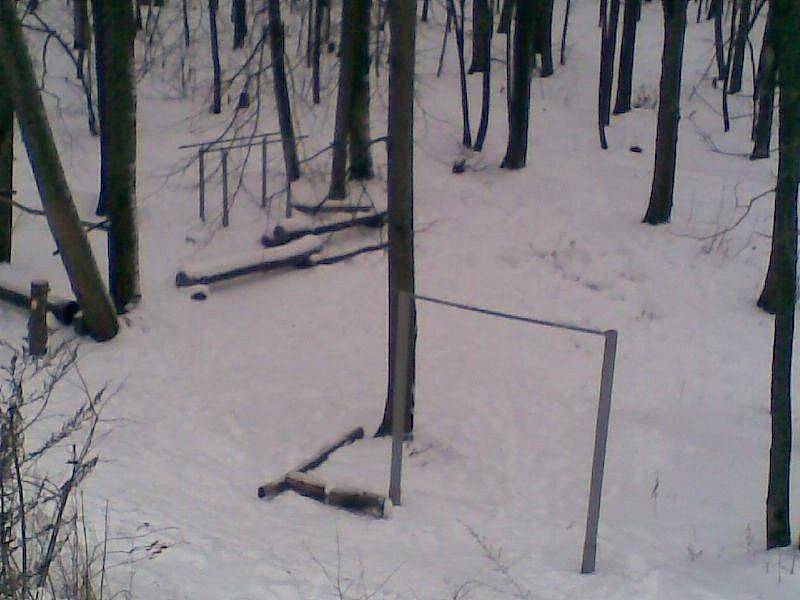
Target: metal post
202	183
225	188
598	460
37	320
264	172
399	396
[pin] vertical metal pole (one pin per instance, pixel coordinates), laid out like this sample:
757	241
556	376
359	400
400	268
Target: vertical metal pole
202	183
399	396
264	172
598	460
224	188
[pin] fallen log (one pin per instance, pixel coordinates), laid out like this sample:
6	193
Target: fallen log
359	500
273	488
62	309
285	232
292	254
306	485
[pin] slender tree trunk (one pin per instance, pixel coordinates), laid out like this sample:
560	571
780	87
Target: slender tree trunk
506	16
765	89
607	50
543	38
519	105
737	65
80	25
401	196
276	44
563	52
659	209
358	134
216	104
458	21
633	10
119	150
344	100
239	19
102	103
6	168
716	11
783	264
185	17
482	61
84	276
316	50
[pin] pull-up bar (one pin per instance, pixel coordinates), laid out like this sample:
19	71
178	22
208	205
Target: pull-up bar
603	407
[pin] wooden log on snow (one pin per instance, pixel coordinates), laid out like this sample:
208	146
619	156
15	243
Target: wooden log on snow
283	233
277	486
306	485
62	309
292	254
359	500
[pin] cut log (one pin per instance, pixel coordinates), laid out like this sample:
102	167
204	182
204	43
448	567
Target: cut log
306	485
62	309
273	488
292	254
360	500
285	232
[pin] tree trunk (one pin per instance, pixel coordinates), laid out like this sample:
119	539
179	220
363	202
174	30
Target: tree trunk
716	11
118	148
458	22
543	38
563	52
276	45
659	209
216	104
737	65
102	103
239	19
506	15
358	134
80	24
56	198
633	10
607	49
316	49
519	105
765	88
482	19
483	60
783	263
344	100
6	169
400	147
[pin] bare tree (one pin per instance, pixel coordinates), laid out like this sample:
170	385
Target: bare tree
65	225
401	197
659	208
6	169
633	11
765	90
519	105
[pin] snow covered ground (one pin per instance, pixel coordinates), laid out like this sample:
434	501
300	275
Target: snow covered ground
218	397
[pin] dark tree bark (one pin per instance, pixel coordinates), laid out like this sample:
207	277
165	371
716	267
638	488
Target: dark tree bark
358	134
239	20
102	103
401	197
659	209
506	15
185	18
351	130
607	50
519	104
425	6
765	90
118	148
316	49
6	168
716	12
563	53
216	103
543	39
740	43
277	51
633	10
482	23
65	225
458	22
783	265
80	24
482	61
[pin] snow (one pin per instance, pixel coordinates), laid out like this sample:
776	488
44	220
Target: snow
218	397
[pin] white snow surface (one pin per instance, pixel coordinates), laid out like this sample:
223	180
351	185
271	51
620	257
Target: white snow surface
218	397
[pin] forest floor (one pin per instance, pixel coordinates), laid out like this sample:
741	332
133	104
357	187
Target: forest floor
215	398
